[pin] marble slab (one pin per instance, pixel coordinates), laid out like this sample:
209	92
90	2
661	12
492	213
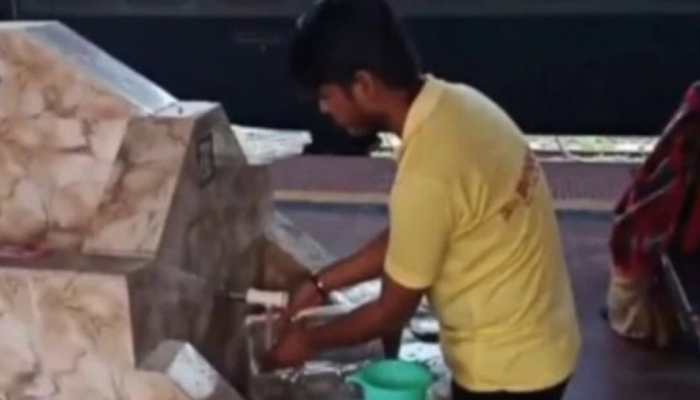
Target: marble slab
140	385
37	80
53	173
196	236
304	249
192	373
59	323
263	146
95	380
50	67
60	131
116	77
212	243
133	211
125	216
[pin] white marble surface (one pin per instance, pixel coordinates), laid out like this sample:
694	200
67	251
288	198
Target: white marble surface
37	81
89	174
60	324
82	167
135	207
263	146
67	336
190	371
53	174
60	131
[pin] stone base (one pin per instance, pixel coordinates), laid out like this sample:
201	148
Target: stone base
190	371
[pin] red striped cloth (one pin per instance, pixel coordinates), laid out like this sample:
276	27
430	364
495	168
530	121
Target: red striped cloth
648	215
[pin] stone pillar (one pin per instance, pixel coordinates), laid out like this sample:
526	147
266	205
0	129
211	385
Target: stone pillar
125	215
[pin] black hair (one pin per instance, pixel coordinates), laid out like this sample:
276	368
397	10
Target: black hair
338	38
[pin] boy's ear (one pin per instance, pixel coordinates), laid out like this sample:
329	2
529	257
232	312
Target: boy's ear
364	85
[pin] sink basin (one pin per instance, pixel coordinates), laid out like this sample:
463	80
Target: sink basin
321	378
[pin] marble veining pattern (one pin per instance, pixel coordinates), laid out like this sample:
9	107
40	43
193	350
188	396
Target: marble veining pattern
59	136
52	175
132	215
59	327
38	81
134	245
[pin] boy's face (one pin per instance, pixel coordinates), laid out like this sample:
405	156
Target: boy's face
347	110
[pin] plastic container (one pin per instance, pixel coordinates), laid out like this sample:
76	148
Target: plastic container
393	380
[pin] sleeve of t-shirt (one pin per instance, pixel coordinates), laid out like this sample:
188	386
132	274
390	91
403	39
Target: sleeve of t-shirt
421	222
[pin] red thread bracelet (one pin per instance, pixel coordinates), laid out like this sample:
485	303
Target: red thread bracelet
319	286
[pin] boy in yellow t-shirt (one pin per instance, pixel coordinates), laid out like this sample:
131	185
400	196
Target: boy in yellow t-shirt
472	223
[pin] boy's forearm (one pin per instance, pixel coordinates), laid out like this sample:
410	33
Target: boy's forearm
364	324
384	316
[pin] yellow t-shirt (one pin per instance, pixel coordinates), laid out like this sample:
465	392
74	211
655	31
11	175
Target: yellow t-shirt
472	221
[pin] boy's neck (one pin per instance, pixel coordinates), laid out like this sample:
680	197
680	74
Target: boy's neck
399	105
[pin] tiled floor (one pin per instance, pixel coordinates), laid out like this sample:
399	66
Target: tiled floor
610	368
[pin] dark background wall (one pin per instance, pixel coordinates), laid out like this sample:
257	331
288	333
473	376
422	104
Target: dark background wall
616	67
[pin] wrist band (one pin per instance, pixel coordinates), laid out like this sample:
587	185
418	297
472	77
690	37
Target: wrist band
320	286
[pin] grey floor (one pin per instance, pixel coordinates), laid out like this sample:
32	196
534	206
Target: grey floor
610	368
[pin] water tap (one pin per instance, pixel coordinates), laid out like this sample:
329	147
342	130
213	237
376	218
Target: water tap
266	298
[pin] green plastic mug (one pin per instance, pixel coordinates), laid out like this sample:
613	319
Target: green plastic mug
393	380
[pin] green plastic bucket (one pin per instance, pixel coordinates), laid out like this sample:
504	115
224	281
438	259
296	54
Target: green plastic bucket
393	380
